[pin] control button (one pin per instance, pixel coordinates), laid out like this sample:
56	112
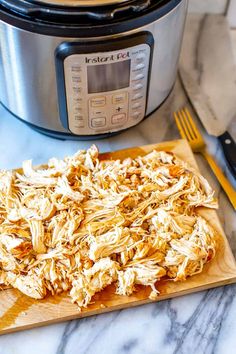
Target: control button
77	89
78	117
118	118
79	121
77	108
136	115
79	125
119	98
77	100
136	105
137	96
139	67
76	79
139	52
76	68
137	87
140	57
98	122
98	101
138	77
143	50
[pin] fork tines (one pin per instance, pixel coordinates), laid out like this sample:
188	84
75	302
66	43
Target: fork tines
187	126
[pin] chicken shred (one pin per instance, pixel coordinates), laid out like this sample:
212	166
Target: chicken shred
81	224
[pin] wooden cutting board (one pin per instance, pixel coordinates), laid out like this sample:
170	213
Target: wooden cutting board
20	312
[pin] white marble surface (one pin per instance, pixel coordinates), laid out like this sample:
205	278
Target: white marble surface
210	6
233	38
231	13
199	323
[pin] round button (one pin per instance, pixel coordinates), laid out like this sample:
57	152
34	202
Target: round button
140	57
136	115
138	87
139	66
136	105
138	77
137	96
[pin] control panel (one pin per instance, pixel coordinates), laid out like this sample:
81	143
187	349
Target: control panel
106	91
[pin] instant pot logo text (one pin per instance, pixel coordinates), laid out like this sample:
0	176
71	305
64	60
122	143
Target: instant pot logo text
108	58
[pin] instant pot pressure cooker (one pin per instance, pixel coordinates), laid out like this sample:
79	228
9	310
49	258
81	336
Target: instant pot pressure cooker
88	68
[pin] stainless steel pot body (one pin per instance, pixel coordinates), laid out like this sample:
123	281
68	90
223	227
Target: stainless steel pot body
28	86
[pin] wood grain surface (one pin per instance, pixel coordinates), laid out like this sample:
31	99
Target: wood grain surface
19	312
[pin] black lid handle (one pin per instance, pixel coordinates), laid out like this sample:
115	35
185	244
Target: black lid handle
229	148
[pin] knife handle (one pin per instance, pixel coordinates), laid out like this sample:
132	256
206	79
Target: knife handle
229	148
225	184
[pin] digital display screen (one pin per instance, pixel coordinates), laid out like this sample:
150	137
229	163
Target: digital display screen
108	77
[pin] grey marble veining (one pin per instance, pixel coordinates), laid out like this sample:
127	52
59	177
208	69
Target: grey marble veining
199	323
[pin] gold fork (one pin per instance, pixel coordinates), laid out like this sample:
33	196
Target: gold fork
188	130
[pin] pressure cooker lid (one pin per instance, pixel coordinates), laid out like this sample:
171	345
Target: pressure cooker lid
107	17
77	11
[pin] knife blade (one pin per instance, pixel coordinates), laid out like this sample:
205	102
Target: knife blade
217	64
212	123
201	103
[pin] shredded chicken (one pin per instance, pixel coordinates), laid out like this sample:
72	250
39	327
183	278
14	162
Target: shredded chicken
81	224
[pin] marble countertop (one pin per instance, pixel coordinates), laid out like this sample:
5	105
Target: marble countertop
203	322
